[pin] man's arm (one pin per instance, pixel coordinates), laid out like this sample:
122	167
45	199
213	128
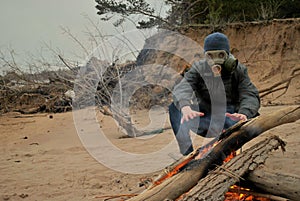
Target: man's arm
249	101
183	92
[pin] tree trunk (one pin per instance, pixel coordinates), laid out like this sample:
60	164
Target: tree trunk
183	181
277	183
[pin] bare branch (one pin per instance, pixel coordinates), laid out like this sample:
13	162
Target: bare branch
74	38
273	88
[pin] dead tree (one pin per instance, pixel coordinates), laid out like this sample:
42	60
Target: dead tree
182	182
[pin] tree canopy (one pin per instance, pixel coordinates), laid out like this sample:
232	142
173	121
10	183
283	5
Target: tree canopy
189	12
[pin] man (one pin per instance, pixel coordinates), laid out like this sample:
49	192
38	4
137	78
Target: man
215	94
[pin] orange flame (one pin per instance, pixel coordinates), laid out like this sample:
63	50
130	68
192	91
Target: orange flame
241	193
173	171
231	155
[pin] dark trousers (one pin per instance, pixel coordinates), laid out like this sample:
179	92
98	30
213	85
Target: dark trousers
200	125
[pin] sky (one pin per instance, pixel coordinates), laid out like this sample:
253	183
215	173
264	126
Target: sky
27	25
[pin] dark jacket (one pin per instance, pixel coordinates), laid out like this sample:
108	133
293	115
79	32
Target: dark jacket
199	87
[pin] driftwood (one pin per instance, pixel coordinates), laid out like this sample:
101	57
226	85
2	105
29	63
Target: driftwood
217	182
277	183
182	182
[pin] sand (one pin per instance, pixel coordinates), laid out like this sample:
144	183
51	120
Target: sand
43	158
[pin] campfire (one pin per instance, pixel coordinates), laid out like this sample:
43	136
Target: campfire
235	193
214	172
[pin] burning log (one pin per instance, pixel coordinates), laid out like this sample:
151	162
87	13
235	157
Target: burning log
180	183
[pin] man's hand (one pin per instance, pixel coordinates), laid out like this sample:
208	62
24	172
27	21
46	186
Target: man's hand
188	113
236	116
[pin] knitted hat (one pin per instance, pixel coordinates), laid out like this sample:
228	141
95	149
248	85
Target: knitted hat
216	41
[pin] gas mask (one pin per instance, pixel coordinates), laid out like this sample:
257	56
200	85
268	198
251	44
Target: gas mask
217	59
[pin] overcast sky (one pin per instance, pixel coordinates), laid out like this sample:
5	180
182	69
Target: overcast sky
27	24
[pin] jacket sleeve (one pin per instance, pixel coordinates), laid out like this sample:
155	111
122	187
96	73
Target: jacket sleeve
183	91
249	101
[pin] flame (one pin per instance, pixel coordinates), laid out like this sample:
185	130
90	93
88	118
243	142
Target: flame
231	155
237	193
173	171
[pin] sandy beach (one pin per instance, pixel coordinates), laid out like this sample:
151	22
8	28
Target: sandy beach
43	158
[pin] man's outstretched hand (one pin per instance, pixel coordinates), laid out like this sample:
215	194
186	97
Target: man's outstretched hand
236	116
188	113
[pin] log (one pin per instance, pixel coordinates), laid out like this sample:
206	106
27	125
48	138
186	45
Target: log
33	110
217	182
277	183
178	184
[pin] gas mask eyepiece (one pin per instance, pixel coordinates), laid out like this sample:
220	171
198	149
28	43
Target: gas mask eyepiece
216	57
